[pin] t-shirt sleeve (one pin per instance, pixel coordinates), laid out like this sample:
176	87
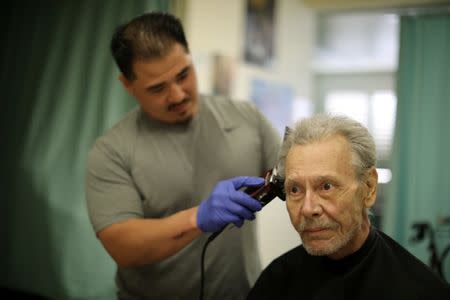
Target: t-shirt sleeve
271	141
270	137
111	195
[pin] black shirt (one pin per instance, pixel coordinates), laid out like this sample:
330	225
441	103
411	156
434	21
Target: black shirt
380	269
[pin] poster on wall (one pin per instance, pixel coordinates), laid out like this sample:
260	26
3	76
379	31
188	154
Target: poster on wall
259	32
275	101
223	74
215	73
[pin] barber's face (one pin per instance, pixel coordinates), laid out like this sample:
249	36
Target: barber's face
166	88
326	203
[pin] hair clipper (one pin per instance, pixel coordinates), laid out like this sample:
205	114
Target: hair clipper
273	187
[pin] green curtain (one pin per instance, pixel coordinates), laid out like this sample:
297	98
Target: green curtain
420	189
59	92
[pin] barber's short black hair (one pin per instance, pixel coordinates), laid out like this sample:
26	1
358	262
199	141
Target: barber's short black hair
151	35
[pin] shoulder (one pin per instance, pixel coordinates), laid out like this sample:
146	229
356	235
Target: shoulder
119	139
289	262
397	251
221	105
124	127
277	278
407	266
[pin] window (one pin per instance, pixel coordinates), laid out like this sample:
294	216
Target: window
355	64
376	110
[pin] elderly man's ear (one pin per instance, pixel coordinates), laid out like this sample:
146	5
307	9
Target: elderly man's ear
371	184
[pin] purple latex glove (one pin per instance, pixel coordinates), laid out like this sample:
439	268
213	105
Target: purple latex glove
227	204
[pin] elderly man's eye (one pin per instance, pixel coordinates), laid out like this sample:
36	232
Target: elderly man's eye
295	190
327	186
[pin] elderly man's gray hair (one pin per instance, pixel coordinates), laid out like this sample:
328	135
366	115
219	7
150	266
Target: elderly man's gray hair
322	126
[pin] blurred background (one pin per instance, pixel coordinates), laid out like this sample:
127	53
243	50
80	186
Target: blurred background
384	63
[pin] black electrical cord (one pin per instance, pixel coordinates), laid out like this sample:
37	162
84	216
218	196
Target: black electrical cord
202	263
272	188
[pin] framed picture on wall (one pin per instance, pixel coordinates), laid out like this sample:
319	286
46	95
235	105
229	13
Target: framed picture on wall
222	74
259	32
275	101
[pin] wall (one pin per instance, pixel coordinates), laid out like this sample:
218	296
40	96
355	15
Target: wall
372	4
216	26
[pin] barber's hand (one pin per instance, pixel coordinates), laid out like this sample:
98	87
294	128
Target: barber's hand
227	204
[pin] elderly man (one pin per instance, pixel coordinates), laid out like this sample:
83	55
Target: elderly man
328	164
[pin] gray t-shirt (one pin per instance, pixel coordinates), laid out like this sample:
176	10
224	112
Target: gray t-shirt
142	168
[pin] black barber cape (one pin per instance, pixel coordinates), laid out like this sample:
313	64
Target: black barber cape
380	270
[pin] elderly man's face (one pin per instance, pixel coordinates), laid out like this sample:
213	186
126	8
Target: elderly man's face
326	203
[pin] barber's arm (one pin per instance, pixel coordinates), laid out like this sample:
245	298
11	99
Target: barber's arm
144	241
